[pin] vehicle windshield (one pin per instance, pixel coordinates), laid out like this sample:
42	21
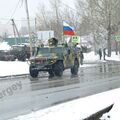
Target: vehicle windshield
43	51
19	48
56	50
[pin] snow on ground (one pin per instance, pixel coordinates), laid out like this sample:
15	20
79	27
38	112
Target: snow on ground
13	68
114	57
4	46
73	110
114	114
78	109
17	67
91	57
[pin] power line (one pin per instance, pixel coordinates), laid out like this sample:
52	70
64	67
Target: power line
21	3
14	11
6	19
73	9
68	6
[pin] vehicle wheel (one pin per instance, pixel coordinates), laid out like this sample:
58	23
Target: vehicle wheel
58	68
51	73
24	59
33	71
74	69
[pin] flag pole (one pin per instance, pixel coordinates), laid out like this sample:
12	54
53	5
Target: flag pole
68	30
62	32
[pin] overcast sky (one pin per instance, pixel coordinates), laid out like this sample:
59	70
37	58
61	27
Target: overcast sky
10	8
15	9
7	8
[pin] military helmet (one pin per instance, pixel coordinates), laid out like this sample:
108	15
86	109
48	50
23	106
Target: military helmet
53	42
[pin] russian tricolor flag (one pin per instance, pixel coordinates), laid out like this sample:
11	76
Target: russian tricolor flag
67	29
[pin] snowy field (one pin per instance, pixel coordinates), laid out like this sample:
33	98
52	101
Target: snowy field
73	110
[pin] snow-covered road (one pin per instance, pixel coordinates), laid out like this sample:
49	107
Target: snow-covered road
63	111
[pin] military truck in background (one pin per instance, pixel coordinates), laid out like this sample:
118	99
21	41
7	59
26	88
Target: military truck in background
5	55
21	52
54	59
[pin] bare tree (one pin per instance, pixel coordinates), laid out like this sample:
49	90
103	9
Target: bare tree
104	18
56	9
43	18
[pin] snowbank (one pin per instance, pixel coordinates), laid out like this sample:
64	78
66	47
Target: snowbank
78	109
91	57
4	46
114	114
13	68
114	57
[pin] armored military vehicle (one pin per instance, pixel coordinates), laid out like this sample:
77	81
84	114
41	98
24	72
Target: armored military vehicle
21	52
54	59
5	55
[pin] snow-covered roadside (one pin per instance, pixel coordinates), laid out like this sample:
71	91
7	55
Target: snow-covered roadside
9	68
114	113
77	109
17	67
4	46
13	68
91	57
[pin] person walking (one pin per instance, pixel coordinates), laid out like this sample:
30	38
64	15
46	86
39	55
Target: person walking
104	53
100	53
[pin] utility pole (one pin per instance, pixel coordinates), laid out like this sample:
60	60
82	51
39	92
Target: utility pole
15	28
14	31
36	28
28	20
35	25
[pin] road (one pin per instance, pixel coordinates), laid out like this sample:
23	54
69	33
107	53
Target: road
21	95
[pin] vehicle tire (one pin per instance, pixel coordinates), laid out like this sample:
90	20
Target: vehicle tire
74	69
33	72
51	73
24	58
58	68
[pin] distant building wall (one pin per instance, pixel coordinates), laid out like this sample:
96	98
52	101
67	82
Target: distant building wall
43	36
13	41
